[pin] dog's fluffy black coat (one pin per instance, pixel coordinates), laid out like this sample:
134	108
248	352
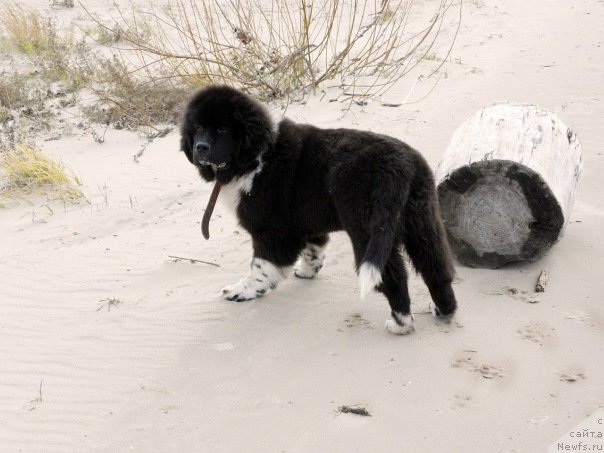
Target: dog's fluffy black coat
303	182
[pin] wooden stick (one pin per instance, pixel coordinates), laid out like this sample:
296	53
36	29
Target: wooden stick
205	222
542	281
192	260
357	410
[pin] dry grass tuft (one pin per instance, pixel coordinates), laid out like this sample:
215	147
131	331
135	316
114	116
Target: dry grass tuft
27	29
56	56
28	169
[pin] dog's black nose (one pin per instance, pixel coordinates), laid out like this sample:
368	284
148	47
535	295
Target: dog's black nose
202	146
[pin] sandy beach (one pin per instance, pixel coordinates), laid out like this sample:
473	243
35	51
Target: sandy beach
111	342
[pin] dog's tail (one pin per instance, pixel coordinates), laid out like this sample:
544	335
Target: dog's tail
386	207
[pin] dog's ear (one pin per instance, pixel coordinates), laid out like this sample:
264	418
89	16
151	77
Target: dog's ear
256	137
186	140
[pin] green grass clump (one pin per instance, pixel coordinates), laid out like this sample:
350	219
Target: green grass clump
28	169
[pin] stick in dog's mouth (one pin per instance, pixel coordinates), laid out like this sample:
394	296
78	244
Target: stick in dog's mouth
205	222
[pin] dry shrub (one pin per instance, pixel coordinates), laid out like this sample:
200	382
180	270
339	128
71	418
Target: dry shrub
62	3
106	36
130	102
124	99
282	48
14	91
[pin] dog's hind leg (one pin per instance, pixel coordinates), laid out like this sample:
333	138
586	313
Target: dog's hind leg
370	211
391	281
394	287
312	257
381	230
426	243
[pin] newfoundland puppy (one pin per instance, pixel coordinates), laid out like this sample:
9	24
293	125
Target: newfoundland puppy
291	185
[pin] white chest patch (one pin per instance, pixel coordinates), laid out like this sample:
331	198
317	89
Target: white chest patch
230	194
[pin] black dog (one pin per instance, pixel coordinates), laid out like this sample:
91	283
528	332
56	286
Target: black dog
290	185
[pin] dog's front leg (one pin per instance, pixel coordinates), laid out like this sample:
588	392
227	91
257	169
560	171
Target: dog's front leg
264	276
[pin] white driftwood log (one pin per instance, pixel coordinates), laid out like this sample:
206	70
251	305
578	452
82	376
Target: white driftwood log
507	183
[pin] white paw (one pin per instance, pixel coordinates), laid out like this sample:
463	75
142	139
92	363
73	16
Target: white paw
436	313
242	291
304	272
403	327
311	262
307	269
264	276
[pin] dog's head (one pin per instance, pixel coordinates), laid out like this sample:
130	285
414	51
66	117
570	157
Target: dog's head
223	132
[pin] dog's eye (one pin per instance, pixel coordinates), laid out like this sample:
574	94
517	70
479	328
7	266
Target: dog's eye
221	130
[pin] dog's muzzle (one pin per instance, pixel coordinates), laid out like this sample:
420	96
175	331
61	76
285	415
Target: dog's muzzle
214	166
